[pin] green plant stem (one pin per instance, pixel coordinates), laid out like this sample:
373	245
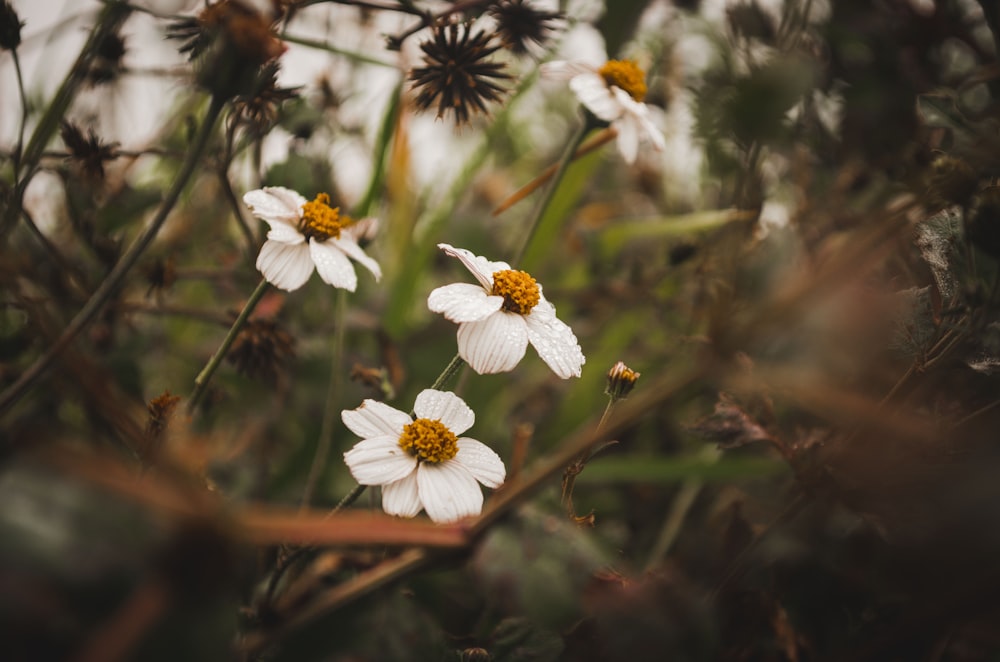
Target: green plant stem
114	280
543	203
332	396
449	371
201	381
24	115
574	469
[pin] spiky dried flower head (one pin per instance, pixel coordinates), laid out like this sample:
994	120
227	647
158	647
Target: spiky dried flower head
231	41
258	111
262	350
88	152
10	27
106	65
456	75
522	27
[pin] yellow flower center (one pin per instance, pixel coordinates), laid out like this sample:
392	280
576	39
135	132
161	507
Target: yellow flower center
429	440
518	289
320	221
627	75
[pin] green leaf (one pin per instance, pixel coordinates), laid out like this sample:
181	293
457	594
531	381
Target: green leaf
660	470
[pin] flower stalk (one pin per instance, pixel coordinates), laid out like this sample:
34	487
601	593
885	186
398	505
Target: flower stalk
201	381
569	153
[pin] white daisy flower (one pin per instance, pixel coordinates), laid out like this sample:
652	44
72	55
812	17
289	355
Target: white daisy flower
305	235
500	316
614	94
422	463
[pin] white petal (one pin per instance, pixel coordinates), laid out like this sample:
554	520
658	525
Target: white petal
364	228
349	247
495	344
402	498
628	137
285	266
333	266
554	341
593	93
479	266
484	465
284	233
375	419
379	460
651	131
563	70
446	407
448	491
275	203
463	302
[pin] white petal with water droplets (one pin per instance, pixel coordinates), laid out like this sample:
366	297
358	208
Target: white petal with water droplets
477	265
484	464
446	407
275	203
554	341
402	498
285	266
463	302
448	491
284	233
333	266
350	247
375	419
379	460
495	344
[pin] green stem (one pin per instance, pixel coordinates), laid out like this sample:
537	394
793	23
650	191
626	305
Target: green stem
24	115
332	396
114	280
543	203
201	381
449	371
348	499
574	469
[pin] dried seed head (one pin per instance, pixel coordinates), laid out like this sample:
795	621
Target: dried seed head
262	350
521	27
88	152
231	41
456	76
10	27
160	409
258	111
106	65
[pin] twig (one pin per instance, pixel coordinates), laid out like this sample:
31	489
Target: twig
113	281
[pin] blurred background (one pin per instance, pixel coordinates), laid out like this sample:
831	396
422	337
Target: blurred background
806	279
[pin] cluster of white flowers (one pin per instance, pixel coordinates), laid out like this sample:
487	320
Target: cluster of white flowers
421	463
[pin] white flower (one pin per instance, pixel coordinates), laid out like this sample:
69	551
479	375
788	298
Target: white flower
306	235
500	316
422	463
613	93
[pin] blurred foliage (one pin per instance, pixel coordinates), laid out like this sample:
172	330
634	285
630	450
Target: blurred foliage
807	279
